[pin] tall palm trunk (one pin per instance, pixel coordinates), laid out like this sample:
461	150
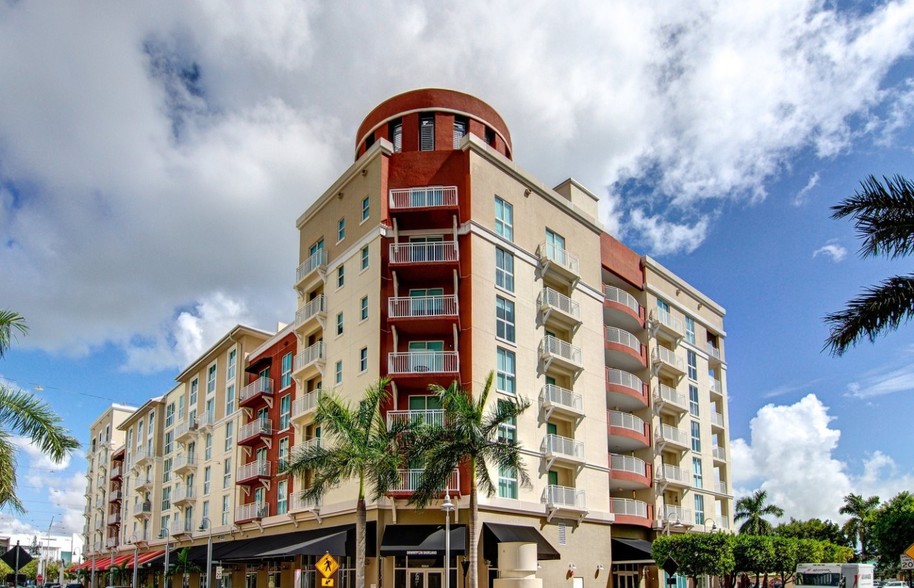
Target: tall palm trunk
473	529
360	523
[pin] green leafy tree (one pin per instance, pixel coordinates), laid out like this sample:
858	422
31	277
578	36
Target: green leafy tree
472	435
753	510
810	551
355	443
786	557
813	529
861	512
697	554
893	532
883	213
754	554
837	553
23	414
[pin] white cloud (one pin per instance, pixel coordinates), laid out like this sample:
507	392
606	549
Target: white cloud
897	376
38	461
664	237
833	250
800	198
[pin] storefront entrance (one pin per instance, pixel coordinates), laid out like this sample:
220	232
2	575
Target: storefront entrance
425	579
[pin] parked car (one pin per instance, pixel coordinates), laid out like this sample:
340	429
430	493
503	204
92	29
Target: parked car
895	584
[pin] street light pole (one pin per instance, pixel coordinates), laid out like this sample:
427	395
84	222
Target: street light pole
207	524
92	577
447	506
136	553
167	553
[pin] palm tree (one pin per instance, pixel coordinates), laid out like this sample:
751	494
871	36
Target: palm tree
355	443
753	509
884	218
184	566
10	322
473	436
23	414
862	511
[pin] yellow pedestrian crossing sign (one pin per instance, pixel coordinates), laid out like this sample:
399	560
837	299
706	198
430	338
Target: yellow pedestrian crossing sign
910	550
327	566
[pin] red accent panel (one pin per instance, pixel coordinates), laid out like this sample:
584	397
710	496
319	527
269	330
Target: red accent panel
621	260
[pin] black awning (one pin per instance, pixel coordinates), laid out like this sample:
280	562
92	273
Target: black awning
635	550
339	540
494	533
334	543
415	540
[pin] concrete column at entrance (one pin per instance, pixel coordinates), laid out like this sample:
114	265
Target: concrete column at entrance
517	566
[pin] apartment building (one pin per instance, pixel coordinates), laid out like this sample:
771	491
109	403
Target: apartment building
434	258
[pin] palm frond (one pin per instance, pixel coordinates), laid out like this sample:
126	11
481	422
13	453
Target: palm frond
10	323
883	213
29	416
8	498
878	309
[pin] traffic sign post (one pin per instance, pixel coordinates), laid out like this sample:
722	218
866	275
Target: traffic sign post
327	566
907	562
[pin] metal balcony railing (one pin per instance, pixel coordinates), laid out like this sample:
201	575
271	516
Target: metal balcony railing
423	252
433	417
311	354
620	296
563	397
255	469
560	256
668	394
254	428
666	319
563	446
254	510
409	481
626	421
415	362
261	385
315	261
673	435
312	308
625	379
306	403
668	356
557	300
422	306
628	507
429	197
554	346
563	496
627	463
673	473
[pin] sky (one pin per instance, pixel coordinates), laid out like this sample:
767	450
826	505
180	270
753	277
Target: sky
155	155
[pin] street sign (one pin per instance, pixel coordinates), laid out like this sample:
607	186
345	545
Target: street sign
910	550
327	566
218	572
11	558
670	566
907	562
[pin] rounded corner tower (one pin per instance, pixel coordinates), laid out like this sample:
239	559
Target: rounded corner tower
432	119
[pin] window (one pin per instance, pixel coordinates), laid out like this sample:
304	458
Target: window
194	388
338	371
282	497
227	473
208	447
283	453
395	132
363	359
341	276
663	306
180	410
504	319
211	410
507	482
699	509
339	324
166	470
211	380
460	130
229	430
166	498
693	399
170	415
696	436
363	261
229	399
505	379
207	479
231	365
555	246
169	442
285	380
504	219
692	360
363	308
696	472
690	329
504	269
366	208
285	411
225	510
427	132
165	521
340	229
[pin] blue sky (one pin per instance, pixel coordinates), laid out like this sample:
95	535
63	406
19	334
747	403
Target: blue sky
153	159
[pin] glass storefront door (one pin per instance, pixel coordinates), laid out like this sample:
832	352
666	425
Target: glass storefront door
425	578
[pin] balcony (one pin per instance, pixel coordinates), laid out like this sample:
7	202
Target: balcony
206	421
561	402
630	512
665	362
719	453
717	420
299	504
409	481
627	432
251	433
312	269
422	199
142	509
255	390
183	496
186	431
416	417
422	314
720	486
675	514
113	519
420	363
621	309
251	472
665	327
111	543
714	355
177	528
564	502
299	448
716	387
627	472
674	438
309	361
185	464
563	451
625	390
559	310
246	513
305	405
670	401
115	496
314	311
143	483
561	355
623	350
117	472
558	263
423	253
101	481
143	456
671	475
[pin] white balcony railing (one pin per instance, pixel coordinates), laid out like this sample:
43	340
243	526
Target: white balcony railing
625	379
315	261
563	496
311	354
623	337
717	386
563	446
179	527
312	308
713	351
563	397
409	481
254	428
423	252
254	510
560	256
718	453
628	507
142	508
416	362
620	296
422	306
717	419
416	417
720	486
668	356
562	303
627	463
254	469
626	421
554	346
181	493
668	394
671	434
666	319
306	403
297	503
184	460
261	385
675	514
430	197
672	473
